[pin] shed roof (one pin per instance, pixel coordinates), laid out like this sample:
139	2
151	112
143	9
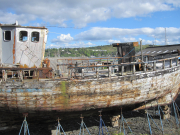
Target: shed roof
160	50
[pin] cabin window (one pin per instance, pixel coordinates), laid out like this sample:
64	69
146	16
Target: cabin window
23	36
35	37
7	35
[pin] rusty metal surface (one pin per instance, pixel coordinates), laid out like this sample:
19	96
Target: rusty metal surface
25	73
78	95
47	62
135	44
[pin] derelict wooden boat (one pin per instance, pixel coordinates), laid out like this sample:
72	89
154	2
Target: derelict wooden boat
24	89
87	94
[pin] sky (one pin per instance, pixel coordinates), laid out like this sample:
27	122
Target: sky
88	23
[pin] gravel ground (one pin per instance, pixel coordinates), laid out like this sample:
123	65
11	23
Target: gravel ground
137	121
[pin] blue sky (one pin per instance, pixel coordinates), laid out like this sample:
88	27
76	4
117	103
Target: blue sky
83	23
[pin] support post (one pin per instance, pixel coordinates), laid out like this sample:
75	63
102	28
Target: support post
97	72
154	66
4	75
133	68
163	64
144	67
112	69
177	62
122	70
69	74
170	62
53	75
38	75
20	75
109	72
141	50
82	74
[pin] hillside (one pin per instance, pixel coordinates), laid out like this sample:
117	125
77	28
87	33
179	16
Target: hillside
97	51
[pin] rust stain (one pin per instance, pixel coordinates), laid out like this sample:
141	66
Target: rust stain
26	66
136	93
135	44
47	62
108	103
14	48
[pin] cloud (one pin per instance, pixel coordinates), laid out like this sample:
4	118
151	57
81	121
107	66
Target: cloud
113	41
71	45
79	12
63	38
11	18
130	35
114	35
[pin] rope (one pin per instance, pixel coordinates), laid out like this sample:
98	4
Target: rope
126	54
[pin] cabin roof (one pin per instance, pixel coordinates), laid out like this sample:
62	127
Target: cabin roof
160	50
19	26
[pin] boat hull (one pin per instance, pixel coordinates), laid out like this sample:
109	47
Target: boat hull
89	94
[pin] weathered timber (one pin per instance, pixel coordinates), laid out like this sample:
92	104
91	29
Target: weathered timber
85	94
